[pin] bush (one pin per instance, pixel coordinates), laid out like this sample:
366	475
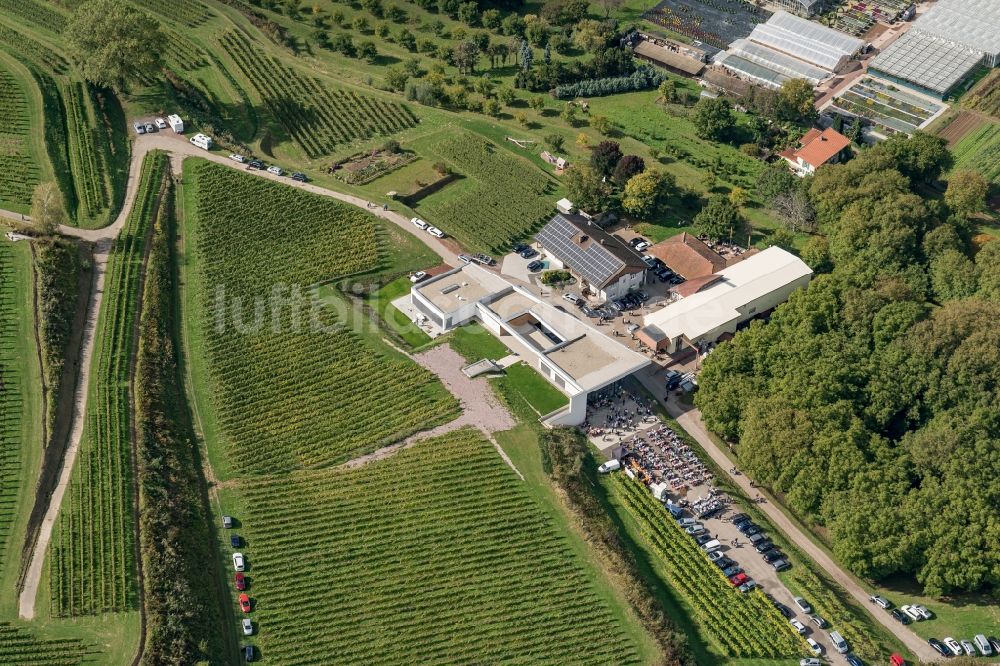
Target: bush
643	78
556	277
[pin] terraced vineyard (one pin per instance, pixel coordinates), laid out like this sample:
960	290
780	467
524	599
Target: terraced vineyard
436	555
36	13
980	150
19	647
11	407
19	172
293	387
503	199
189	13
317	116
32	49
743	625
93	552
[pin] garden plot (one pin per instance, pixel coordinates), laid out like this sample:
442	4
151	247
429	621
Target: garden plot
887	106
714	22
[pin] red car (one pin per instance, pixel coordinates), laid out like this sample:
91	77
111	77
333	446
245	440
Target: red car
241	581
244	603
739	579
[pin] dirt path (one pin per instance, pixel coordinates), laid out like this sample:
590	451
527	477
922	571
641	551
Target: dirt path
690	419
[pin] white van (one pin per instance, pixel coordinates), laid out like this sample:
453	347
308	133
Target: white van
202	141
610	466
983	644
712	546
838	642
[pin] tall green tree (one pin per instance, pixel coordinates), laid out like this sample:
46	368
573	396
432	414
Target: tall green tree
646	193
114	43
47	209
966	193
721	220
713	118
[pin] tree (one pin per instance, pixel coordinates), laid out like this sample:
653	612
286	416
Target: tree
582	139
774	181
569	114
783	238
713	118
506	96
795	210
468	13
466	56
114	43
537	103
407	40
667	91
601	124
604	157
360	24
395	78
921	158
367	51
795	100
527	55
966	193
627	167
721	220
47	211
646	193
609	6
554	141
816	254
490	19
953	275
586	189
738	197
492	108
592	36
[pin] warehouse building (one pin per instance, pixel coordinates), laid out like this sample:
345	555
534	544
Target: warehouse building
570	353
717	304
789	47
605	265
944	47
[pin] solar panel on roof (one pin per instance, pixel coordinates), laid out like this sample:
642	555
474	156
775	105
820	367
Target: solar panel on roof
595	263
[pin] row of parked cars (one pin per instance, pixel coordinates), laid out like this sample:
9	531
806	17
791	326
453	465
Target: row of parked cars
423	226
660	270
254	164
980	645
242	585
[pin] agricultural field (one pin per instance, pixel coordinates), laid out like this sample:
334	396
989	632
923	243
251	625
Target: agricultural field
462	567
35	13
959	126
318	117
739	625
985	96
980	150
93	552
19	168
88	154
296	388
499	200
18	646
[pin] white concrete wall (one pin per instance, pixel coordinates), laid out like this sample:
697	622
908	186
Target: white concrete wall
623	285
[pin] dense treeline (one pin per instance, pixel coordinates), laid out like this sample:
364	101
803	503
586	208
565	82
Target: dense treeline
571	466
58	266
870	399
176	543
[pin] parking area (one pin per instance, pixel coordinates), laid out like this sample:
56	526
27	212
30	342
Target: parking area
623	424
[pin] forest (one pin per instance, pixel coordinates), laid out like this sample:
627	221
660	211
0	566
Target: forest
870	399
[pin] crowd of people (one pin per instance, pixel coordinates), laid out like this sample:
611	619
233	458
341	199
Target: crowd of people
616	412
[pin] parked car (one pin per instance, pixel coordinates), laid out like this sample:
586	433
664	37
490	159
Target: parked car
895	659
419	224
248	653
528	253
247	626
299	177
714	555
781	564
799	627
239	563
711	546
816	648
880	601
810	662
418	276
434	231
911	612
818	621
571	297
649	261
236	157
994	643
803	605
139	128
783	609
244	603
241	581
695	530
739	518
536	266
900	616
853	660
150	128
724	563
644	245
255	164
236	541
739	579
484	259
923	612
969	648
227	522
747	586
635	242
953	646
939	647
763	545
276	170
702	539
463	257
732	571
518	248
748	529
757	538
160	123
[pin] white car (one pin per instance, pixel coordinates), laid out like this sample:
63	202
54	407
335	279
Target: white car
799	627
923	612
238	562
642	246
716	555
420	224
816	648
139	128
463	257
247	627
811	661
237	158
161	123
276	170
418	276
969	648
571	297
803	605
434	231
953	645
911	612
880	601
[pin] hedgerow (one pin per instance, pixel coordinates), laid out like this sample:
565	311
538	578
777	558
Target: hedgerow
643	78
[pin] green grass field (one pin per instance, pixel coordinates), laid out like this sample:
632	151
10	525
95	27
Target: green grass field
462	567
980	151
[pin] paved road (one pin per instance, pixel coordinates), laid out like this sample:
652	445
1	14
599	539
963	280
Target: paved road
690	419
103	239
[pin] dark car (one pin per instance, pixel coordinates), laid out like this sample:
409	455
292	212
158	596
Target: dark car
854	661
637	240
739	518
248	653
995	642
702	539
773	555
939	647
299	176
255	164
518	248
236	541
731	571
536	266
900	616
748	529
724	563
781	564
784	610
763	546
528	253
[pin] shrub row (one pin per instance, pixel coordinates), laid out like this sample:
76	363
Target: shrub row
643	78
